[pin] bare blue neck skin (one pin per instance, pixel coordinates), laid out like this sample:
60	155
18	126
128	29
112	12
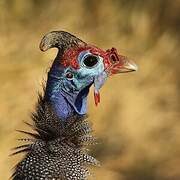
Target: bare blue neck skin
64	103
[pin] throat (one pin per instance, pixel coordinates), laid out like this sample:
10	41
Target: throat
66	104
60	106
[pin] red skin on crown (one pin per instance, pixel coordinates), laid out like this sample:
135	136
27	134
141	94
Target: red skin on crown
110	57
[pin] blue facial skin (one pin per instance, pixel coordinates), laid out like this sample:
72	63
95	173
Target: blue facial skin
68	94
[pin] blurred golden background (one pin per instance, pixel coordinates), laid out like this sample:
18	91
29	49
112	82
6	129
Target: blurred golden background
138	120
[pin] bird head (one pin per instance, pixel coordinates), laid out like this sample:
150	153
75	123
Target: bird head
79	65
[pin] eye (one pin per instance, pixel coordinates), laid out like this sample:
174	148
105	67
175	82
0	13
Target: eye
69	75
90	61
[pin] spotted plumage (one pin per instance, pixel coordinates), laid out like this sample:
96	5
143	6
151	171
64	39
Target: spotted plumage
58	149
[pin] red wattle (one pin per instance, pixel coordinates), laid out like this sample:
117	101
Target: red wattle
96	98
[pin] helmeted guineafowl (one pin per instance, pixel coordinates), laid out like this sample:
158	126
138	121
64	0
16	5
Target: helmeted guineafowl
58	148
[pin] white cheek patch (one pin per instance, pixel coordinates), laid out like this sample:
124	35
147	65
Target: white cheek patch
84	71
94	71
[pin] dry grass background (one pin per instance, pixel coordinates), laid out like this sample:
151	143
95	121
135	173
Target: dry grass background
138	119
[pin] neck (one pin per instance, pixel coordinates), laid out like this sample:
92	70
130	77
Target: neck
63	103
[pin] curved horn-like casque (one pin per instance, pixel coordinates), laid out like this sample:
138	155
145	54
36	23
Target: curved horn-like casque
61	40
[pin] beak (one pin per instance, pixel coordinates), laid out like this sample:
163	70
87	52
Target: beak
115	63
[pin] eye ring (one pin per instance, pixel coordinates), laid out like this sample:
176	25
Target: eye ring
90	61
69	75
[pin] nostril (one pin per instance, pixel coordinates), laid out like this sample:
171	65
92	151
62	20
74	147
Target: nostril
113	58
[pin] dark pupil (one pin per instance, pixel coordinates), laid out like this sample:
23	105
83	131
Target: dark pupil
69	75
90	61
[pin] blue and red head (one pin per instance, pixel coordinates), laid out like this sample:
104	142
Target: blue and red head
77	66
